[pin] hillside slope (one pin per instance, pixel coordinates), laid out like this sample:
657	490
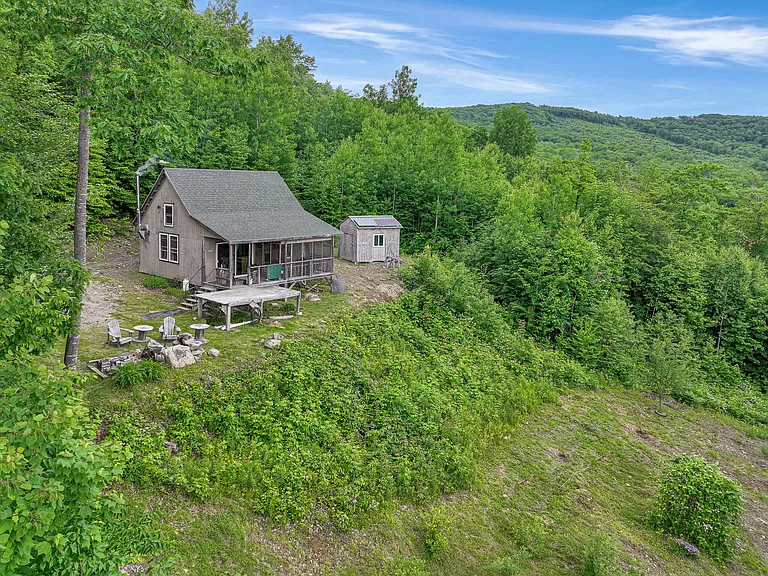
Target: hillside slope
731	140
583	466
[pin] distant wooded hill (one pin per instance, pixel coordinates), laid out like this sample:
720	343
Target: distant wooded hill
706	138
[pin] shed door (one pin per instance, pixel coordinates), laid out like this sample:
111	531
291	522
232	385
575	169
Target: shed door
379	252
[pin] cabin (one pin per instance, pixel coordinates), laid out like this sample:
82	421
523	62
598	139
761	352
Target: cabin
226	228
369	238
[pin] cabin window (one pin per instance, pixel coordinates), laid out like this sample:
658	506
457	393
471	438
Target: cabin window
169	248
168	215
378	240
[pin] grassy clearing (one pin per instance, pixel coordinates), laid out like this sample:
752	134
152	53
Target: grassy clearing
239	349
395	401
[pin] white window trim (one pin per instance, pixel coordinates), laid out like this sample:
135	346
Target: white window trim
173	215
168	247
382	240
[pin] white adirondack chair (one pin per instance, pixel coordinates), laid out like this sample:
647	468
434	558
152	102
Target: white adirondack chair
114	335
169	330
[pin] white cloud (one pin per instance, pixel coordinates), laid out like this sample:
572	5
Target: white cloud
342	61
673	86
436	54
480	79
703	41
391	37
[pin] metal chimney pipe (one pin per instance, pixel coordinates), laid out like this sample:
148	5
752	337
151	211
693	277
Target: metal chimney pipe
138	201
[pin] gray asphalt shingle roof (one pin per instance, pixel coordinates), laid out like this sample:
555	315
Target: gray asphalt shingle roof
245	206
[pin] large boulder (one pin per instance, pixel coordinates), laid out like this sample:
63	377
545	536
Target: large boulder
179	356
153	346
185	338
338	285
194	344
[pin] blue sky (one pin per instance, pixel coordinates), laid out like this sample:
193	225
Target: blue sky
656	58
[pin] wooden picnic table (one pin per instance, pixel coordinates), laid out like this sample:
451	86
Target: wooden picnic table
254	296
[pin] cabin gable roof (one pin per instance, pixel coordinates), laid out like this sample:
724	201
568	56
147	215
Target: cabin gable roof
244	205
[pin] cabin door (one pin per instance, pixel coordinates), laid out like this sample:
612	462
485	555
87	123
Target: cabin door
242	258
208	273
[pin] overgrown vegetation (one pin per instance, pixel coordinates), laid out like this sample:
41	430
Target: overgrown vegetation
59	510
698	503
600	557
133	373
396	401
154	282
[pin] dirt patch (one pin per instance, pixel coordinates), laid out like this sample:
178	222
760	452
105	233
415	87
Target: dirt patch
113	265
642	434
369	283
555	454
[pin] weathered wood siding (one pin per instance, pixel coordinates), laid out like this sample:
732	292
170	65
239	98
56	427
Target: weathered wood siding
347	241
190	232
357	243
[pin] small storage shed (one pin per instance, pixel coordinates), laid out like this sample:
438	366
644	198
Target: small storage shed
369	238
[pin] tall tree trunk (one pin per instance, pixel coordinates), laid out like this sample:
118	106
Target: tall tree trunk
81	202
722	319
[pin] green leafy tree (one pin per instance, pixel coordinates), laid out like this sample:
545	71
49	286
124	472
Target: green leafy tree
668	365
513	132
403	87
58	512
115	62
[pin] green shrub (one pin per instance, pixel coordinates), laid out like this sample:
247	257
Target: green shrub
154	282
128	375
153	371
699	504
57	510
600	557
436	530
133	373
504	567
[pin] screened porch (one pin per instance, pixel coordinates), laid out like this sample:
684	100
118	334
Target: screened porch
278	262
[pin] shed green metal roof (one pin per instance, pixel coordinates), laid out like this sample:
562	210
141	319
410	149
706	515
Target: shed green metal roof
245	205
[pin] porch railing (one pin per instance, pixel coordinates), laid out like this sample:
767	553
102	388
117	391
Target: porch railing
300	270
222	276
